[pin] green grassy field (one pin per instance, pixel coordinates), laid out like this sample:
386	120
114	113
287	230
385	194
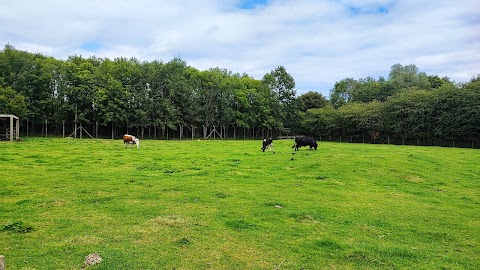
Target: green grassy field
228	205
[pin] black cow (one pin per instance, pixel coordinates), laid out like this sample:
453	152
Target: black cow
267	143
305	141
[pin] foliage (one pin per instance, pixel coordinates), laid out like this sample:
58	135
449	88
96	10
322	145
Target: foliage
311	100
456	111
283	85
342	92
12	102
130	96
321	121
361	118
410	114
408	76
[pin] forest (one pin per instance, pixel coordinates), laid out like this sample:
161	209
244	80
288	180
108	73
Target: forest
172	100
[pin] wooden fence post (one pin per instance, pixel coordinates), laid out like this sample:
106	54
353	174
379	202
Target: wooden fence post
2	262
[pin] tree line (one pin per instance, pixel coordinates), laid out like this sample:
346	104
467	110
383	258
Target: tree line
171	99
410	105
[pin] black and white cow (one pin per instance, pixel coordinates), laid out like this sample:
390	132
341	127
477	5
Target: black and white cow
305	141
267	144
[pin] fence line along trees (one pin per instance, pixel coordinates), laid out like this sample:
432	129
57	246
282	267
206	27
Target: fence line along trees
172	100
126	95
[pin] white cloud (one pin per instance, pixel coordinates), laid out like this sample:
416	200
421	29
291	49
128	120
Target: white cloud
318	42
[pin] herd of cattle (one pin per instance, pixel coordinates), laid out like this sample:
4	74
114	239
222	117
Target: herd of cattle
300	141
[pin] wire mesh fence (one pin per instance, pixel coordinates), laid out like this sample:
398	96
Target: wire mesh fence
442	142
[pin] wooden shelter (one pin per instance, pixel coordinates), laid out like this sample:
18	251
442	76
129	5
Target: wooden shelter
12	131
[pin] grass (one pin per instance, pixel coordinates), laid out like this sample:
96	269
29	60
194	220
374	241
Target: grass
228	205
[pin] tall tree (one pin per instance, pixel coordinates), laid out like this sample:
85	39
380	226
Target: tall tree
80	88
283	84
311	100
408	76
110	97
342	92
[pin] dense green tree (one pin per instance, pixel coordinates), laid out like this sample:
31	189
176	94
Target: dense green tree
254	104
311	100
456	111
80	88
342	92
12	102
361	119
283	85
209	92
410	114
321	122
437	82
110	98
34	76
403	77
179	90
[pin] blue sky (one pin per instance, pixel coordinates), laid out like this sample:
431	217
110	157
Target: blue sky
251	4
319	42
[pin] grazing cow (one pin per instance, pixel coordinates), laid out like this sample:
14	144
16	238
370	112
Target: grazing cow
267	144
305	141
130	140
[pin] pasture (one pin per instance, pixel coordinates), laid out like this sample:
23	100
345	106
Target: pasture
228	205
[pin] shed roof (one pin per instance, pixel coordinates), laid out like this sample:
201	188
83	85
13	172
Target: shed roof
8	116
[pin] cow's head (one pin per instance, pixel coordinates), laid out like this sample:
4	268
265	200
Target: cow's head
137	142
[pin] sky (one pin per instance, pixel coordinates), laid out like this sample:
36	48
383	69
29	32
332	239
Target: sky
319	42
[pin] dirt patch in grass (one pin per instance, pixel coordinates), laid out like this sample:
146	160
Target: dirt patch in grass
171	221
84	240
